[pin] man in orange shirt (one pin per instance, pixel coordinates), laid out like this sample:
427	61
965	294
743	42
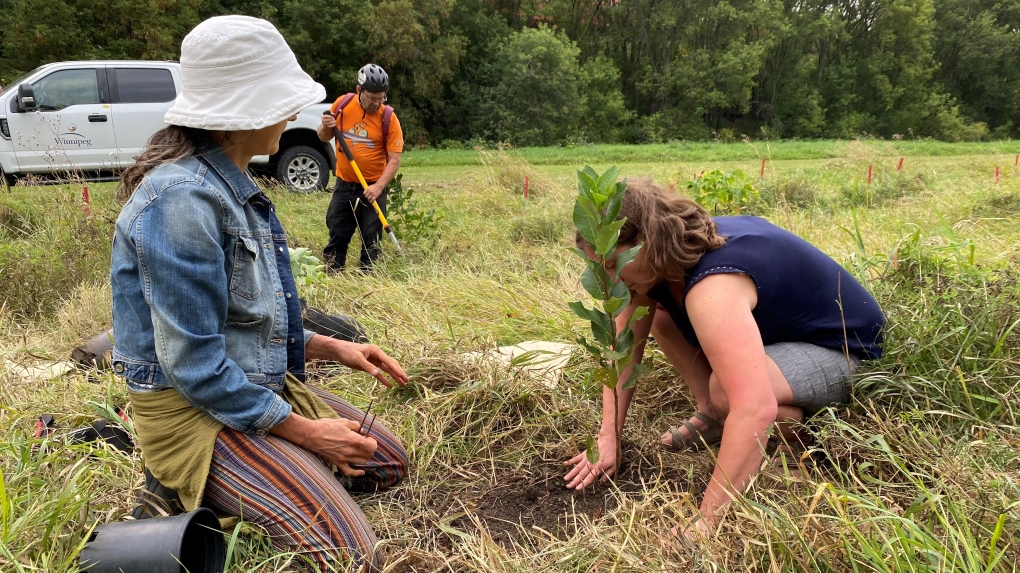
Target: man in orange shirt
373	133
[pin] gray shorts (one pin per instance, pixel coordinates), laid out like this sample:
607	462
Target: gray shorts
818	376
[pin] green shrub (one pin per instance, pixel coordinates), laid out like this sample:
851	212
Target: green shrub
410	222
728	193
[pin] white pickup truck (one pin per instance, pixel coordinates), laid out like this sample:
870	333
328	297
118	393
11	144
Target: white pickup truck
92	117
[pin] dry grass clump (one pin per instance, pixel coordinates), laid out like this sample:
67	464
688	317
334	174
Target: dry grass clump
505	170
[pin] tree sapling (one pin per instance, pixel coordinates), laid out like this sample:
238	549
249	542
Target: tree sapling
596	209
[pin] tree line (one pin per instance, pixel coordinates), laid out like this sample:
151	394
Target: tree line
541	72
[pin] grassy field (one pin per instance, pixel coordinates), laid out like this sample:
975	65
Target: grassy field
920	473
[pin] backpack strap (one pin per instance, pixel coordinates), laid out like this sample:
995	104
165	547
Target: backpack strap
387	114
338	112
339	105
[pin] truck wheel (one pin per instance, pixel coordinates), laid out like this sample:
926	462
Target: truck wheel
303	169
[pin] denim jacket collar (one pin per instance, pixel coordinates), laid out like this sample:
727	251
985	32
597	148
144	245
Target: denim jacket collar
240	184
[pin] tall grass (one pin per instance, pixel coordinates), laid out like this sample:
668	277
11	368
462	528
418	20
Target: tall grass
919	474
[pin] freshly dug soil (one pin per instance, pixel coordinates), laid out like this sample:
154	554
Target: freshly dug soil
536	497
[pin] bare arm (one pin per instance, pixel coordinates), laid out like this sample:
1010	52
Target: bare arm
340	441
389	172
365	357
720	311
325	129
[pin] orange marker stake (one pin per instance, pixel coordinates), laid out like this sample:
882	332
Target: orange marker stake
869	174
900	165
85	198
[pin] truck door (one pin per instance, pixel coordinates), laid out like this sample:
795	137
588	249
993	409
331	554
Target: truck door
140	98
72	128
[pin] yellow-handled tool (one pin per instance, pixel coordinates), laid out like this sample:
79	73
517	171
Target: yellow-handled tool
364	185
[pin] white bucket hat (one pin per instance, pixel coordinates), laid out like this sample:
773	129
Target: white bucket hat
239	73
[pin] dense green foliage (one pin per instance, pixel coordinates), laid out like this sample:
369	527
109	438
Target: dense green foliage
545	72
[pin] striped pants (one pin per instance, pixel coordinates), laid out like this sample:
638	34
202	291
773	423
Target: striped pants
294	497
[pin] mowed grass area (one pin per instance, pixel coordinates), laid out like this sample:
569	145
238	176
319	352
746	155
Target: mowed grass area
921	473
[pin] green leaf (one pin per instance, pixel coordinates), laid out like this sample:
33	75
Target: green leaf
600	200
592	174
591	450
591	348
636	373
586	218
600	322
624	339
581	310
608	179
587	183
593	278
602	336
612	208
579	252
625	258
605	376
606	237
620	290
615	355
612	306
639	313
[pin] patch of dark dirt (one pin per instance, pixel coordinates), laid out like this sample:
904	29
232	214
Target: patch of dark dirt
537	497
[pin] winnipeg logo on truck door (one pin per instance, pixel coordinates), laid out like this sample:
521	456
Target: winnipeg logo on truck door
73	140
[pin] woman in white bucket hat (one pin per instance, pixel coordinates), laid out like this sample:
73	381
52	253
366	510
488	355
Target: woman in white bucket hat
207	323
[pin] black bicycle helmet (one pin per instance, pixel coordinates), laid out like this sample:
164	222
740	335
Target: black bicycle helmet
373	78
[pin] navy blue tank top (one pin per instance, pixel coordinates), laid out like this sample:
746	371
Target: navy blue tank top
803	295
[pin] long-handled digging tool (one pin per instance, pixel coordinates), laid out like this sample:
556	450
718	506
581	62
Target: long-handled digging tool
350	158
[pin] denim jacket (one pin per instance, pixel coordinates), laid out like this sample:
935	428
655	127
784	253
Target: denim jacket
199	297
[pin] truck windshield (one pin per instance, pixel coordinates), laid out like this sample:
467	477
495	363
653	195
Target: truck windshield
15	83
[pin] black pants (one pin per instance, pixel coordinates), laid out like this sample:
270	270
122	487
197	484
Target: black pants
348	210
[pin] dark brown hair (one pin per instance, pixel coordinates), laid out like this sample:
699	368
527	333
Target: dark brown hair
675	230
172	143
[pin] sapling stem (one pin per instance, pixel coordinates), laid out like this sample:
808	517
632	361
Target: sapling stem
363	419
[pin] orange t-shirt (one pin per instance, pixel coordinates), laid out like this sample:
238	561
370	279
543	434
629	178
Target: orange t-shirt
363	134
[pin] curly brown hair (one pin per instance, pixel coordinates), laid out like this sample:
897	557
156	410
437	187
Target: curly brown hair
675	230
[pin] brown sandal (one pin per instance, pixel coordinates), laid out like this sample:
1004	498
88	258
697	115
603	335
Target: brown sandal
696	438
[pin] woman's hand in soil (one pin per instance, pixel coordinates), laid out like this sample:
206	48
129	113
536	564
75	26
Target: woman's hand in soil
337	441
584	473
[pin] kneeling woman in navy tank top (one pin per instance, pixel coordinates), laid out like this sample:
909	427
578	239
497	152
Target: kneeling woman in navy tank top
762	327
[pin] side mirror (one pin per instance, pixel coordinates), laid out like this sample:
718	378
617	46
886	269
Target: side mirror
26	97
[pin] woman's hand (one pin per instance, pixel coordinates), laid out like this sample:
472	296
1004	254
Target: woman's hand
584	472
365	357
338	441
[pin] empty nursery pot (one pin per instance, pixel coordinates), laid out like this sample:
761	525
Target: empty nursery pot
191	542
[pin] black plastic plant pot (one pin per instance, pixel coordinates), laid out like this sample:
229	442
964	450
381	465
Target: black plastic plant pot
191	542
